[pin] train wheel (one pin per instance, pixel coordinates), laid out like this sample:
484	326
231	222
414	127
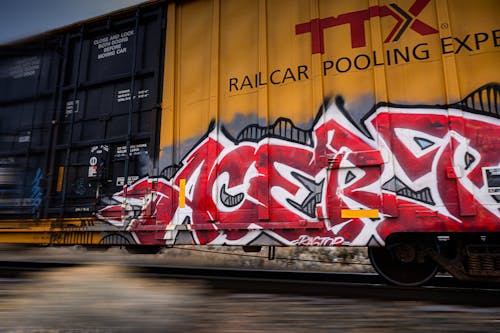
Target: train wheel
403	263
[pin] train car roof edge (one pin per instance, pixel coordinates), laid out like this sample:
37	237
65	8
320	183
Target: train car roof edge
115	13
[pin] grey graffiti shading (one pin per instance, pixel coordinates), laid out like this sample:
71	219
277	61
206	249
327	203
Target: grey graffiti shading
360	123
170	171
349	177
263	238
282	128
117	238
484	100
397	186
230	200
423	143
308	206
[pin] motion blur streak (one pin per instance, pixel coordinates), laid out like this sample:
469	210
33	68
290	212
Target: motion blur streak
108	299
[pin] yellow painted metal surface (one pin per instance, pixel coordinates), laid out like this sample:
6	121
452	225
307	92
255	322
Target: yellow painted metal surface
239	61
68	231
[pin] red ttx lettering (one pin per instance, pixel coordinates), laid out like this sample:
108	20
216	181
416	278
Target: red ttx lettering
356	21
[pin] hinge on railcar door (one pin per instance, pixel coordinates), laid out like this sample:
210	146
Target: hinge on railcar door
466	200
271	253
333	161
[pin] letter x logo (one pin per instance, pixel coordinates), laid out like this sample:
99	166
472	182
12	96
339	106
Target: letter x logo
356	21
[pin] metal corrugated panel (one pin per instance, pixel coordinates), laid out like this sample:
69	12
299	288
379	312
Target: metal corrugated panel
300	110
283	122
74	104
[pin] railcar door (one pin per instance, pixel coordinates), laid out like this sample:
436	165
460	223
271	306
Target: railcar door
355	165
474	170
108	110
28	85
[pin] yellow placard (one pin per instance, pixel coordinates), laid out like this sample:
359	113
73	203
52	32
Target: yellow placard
182	193
60	176
359	213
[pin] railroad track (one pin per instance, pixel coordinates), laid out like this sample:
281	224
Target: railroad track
441	289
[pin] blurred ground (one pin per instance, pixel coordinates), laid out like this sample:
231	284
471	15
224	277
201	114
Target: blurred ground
108	299
293	258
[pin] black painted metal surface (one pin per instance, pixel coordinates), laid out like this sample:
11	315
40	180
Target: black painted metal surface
79	113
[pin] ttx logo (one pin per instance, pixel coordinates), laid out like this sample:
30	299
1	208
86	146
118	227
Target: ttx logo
356	21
